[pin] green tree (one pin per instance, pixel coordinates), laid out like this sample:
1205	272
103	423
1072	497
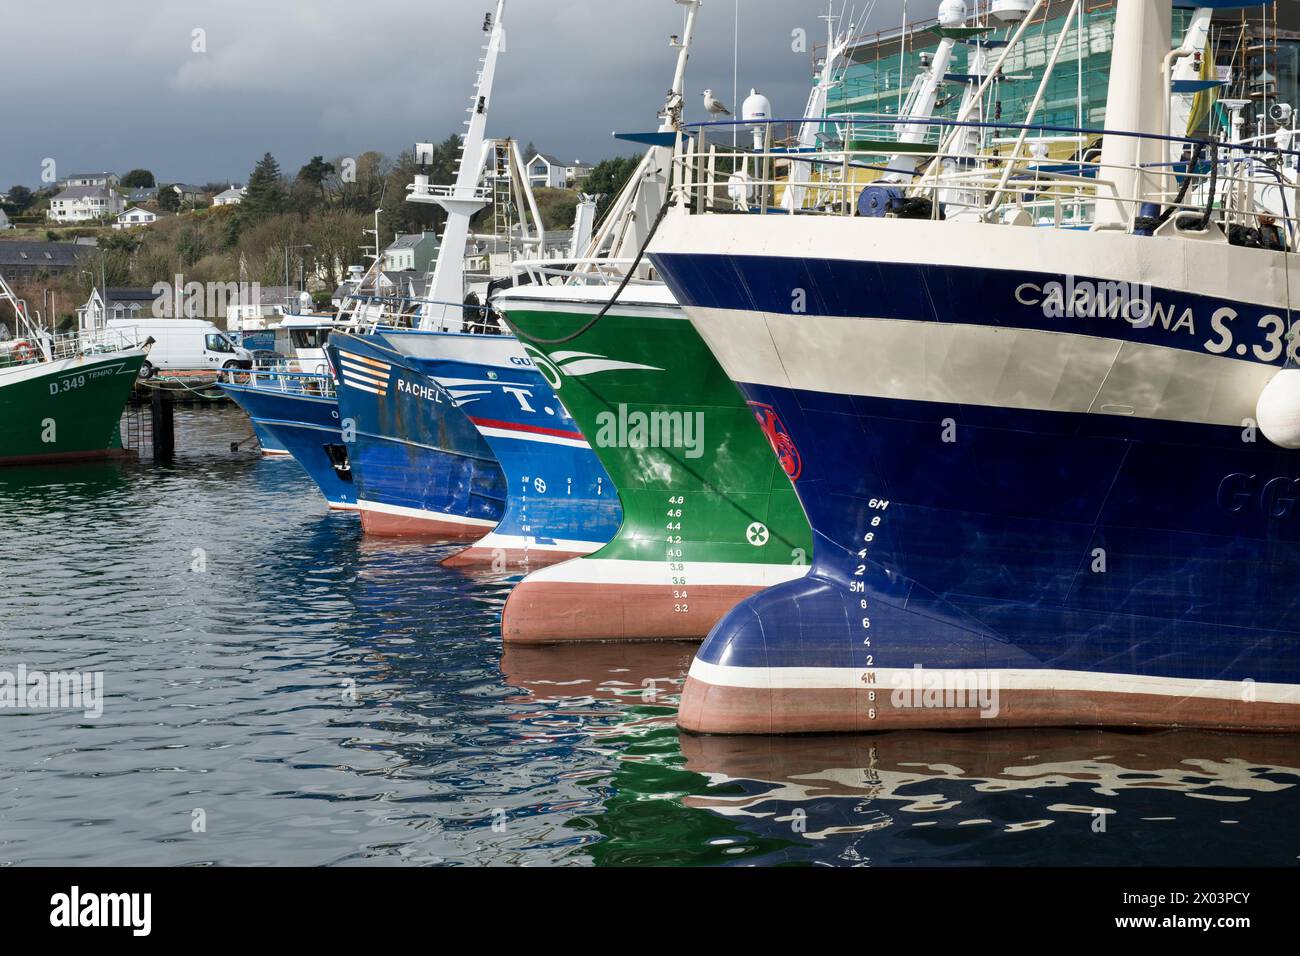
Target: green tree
192	246
20	199
139	179
608	179
230	234
168	199
266	193
126	240
316	172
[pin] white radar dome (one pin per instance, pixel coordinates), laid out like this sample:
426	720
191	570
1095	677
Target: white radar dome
1011	11
757	108
952	13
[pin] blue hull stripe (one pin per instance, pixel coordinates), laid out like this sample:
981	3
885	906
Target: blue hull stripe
1008	299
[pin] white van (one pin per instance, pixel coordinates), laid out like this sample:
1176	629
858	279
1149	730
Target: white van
183	345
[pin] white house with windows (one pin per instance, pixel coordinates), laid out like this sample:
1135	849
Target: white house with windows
230	197
85	204
135	216
545	170
106	180
413	252
121	304
577	172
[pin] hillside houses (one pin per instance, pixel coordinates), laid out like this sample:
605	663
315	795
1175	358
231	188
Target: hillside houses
121	304
230	197
188	194
32	260
85	204
103	180
135	216
415	252
545	170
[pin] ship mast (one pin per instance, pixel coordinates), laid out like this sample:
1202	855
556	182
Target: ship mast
837	45
628	221
1136	102
465	198
23	325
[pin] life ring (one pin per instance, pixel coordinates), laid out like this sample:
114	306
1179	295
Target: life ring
23	352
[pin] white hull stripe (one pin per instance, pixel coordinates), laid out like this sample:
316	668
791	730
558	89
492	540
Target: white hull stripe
889	679
1206	268
517	542
531	436
491	350
423	514
364	374
655	573
980	365
638	299
361	387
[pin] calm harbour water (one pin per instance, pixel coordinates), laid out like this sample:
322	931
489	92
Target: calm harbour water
313	697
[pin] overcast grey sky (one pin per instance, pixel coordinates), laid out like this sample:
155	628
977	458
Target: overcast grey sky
115	85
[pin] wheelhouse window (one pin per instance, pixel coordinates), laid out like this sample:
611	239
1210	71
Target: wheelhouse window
309	338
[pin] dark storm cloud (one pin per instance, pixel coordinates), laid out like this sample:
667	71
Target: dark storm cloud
119	85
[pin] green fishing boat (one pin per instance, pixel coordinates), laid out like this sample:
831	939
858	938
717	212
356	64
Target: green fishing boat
61	396
709	513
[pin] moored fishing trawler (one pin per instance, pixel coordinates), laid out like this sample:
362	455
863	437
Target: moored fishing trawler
293	406
420	467
298	412
709	515
560	503
296	405
419	395
62	396
1047	469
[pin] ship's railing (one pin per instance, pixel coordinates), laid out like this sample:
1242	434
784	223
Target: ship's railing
297	366
366	314
43	346
580	271
315	384
1234	187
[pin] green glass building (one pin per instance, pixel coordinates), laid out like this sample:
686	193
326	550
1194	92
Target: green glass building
1256	52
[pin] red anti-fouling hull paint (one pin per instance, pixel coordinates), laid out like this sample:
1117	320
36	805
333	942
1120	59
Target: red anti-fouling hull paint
541	612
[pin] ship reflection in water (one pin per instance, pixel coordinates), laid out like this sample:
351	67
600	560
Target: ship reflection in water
327	699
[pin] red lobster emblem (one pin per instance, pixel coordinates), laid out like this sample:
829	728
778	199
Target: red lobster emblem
778	438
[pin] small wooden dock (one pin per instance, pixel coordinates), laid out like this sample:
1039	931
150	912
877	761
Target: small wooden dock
179	388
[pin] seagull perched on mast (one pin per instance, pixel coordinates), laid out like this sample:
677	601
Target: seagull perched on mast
715	106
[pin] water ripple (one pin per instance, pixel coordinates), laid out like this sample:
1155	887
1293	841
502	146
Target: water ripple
278	690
